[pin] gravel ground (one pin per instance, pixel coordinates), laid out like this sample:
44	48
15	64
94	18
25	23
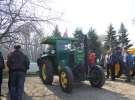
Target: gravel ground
35	90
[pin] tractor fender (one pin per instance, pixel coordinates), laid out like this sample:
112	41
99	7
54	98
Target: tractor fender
93	66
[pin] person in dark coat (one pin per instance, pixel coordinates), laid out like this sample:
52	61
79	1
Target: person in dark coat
18	64
1	70
112	65
39	64
115	58
102	60
108	61
113	61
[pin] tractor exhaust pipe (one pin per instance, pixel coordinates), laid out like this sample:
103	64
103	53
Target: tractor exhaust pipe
85	50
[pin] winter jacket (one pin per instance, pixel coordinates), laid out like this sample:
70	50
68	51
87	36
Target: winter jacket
116	58
17	61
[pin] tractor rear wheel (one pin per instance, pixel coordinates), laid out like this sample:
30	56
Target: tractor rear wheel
46	71
98	77
66	79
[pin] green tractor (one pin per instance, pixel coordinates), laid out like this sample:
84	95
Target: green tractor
69	63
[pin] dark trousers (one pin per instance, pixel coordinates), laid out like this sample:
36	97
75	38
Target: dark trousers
112	72
108	70
17	80
127	71
1	75
9	82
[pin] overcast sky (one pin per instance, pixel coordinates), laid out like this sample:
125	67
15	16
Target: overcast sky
97	14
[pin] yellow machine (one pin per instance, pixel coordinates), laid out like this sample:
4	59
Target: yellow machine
132	51
117	66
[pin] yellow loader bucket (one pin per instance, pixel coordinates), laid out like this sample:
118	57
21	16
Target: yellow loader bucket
117	68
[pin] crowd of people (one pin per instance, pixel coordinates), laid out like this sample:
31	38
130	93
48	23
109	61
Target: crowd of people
118	58
18	64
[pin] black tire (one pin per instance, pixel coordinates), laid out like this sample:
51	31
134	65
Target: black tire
46	71
98	76
66	86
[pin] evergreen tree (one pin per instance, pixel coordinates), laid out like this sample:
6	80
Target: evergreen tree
80	36
56	32
111	38
123	37
93	43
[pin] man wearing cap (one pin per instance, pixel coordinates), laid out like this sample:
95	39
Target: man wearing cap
1	70
18	64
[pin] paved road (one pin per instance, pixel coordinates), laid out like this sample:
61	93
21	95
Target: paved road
35	90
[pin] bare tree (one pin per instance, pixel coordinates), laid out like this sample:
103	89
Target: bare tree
30	37
14	13
20	22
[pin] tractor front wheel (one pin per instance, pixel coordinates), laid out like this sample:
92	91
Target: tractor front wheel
66	79
98	77
46	71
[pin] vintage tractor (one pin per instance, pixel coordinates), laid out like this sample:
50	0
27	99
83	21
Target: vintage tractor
68	62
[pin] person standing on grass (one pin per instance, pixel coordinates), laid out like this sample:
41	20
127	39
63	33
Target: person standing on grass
102	61
18	64
127	59
113	60
1	70
108	63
